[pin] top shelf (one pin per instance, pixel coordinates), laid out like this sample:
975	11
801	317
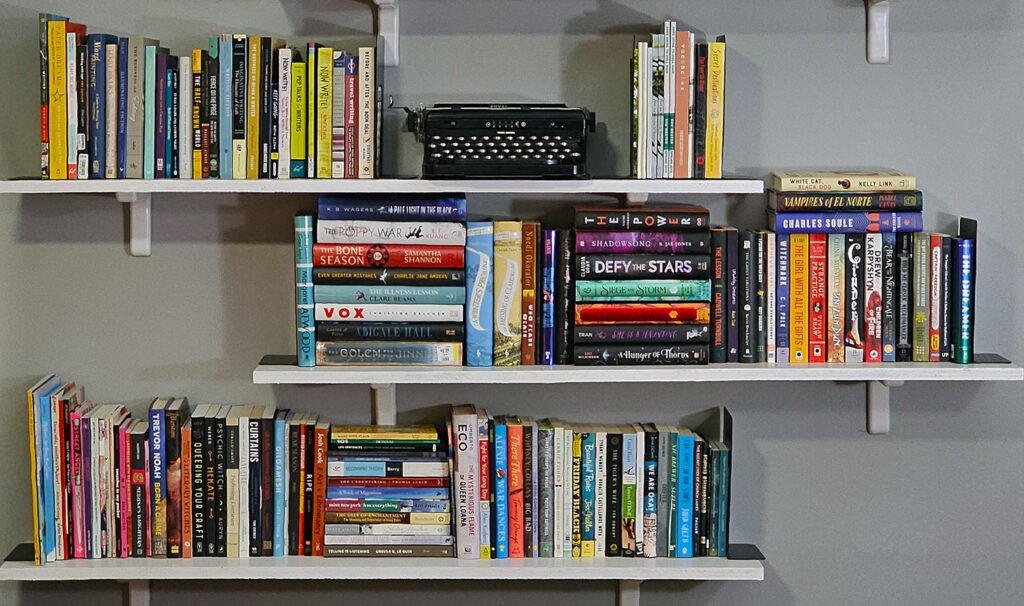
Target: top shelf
639	187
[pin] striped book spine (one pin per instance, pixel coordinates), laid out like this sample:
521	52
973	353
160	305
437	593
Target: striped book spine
338	116
305	331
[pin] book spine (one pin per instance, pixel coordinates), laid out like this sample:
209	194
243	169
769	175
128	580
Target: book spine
508	293
173	141
547	314
304	321
389	551
683	64
385	331
844	182
198	76
760	291
732	295
770	297
88	468
700	116
889	297
748	297
613	502
71	96
809	201
577	494
921	283
186	491
387	312
312	120
428	208
44	89
798	294
297	120
873	297
501	490
516	538
642	220
122	108
684	499
340	352
817	288
199	510
546	496
655	313
531	233
266	486
172	457
653	242
278	548
963	283
628	495
389	255
216	544
715	110
480	302
366	112
294	482
568	486
324	103
159	118
648	290
634	134
935	297
184	160
563	301
945	335
351	115
158	472
252	110
267	69
135	127
450	295
206	115
639	355
78	506
392	276
304	446
588	479
225	109
846	222
643	333
231	437
140	511
615	267
484	467
239	106
835	343
466	493
319	489
423	233
854	302
110	117
338	116
243	472
650	496
149	114
57	114
904	296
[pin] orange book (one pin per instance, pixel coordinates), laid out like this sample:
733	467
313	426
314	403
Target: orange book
798	292
683	159
319	486
516	517
186	491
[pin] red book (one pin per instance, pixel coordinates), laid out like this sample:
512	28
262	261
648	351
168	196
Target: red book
416	482
186	491
516	515
643	313
817	283
531	231
302	487
320	487
387	255
935	297
124	470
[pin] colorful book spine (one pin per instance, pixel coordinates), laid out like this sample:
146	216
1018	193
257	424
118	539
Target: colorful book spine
171	119
639	354
629	487
732	261
122	107
644	290
366	112
650	492
112	93
159	117
279	485
252	108
332	293
799	255
199	71
324	106
389	255
516	504
351	115
619	267
652	242
947	277
642	333
588	479
501	489
935	284
921	290
239	108
305	331
484	483
531	236
854	302
225	111
389	331
57	116
547	320
284	113
904	296
577	494
845	222
157	418
298	119
962	281
719	251
211	104
873	297
387	312
423	233
685	497
700	115
640	313
480	300
715	110
338	115
563	299
387	353
841	201
508	293
817	294
782	307
149	115
835	347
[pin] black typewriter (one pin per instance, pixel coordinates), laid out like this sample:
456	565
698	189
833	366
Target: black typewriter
503	141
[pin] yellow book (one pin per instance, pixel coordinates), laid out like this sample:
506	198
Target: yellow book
383	432
324	103
57	118
298	119
252	111
716	111
798	328
197	102
311	112
508	293
240	157
577	480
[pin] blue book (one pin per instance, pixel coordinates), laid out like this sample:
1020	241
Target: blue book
279	470
96	45
673	491
962	299
684	500
588	479
159	120
856	222
480	302
304	306
386	492
782	298
629	488
48	515
224	111
393	207
547	309
122	107
501	488
723	502
889	297
149	113
368	293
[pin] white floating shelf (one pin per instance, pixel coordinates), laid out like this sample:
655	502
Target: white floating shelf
423	375
385	186
621	569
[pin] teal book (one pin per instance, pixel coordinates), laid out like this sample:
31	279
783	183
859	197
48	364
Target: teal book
149	120
724	467
304	325
224	114
359	293
280	420
684	497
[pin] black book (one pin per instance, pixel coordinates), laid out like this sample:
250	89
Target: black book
176	415
705	495
719	251
732	295
650	485
295	484
173	162
945	298
275	113
238	94
255	482
139	445
204	114
307	540
700	108
748	296
528	454
854	329
267	482
714	478
564	297
220	481
613	515
198	461
213	101
82	58
904	296
210	480
639	354
265	84
761	351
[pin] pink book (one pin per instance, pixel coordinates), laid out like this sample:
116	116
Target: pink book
77	494
124	456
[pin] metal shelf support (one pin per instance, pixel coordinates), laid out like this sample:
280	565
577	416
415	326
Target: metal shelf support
140	235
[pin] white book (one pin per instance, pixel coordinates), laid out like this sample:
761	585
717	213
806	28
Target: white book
465	493
559	496
338	100
233	496
425	233
243	481
689	113
408	530
641	483
769	296
567	492
185	117
284	128
110	153
670	99
58	460
600	491
385	539
387	312
72	103
657	72
643	110
366	116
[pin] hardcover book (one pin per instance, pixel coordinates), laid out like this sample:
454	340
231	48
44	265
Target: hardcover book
871	179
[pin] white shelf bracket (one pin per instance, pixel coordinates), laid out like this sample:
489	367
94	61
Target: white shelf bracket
140	235
629	593
138	592
387	27
636	198
383	399
878	30
877	405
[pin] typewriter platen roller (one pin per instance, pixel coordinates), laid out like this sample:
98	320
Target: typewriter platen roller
503	141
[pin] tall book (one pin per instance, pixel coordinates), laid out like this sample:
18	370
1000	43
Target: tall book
486	463
715	109
211	148
158	473
873	297
963	282
252	107
305	339
324	110
311	108
564	265
367	112
889	302
480	293
817	288
500	458
149	113
516	536
835	348
225	109
298	117
185	102
700	116
748	276
71	97
197	458
239	106
546	324
176	415
232	452
57	121
110	159
338	151
351	116
199	70
935	286
904	296
284	119
531	237
44	88
799	255
508	244
135	129
782	282
466	493
854	301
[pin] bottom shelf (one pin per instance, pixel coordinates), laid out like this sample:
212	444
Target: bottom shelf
630	569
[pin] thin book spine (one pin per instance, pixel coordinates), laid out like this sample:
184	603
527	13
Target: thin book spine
547	314
110	151
239	106
298	118
501	488
324	105
284	129
835	350
367	112
531	233
873	297
854	335
338	149
817	288
304	306
158	471
889	297
185	117
921	273
799	276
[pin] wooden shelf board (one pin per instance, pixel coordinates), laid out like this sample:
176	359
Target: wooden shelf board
639	569
360	186
423	375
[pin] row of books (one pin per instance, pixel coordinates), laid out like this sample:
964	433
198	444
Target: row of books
245	107
551	489
213	480
678	104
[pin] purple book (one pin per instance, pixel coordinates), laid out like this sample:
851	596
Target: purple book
547	309
844	223
161	124
87	484
659	242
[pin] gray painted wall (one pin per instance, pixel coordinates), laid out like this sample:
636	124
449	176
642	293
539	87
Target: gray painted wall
929	514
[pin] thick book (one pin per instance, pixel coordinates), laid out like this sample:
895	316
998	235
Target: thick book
508	293
613	501
367	112
197	459
466	475
889	297
334	293
799	260
700	109
719	333
212	85
639	354
500	458
304	290
588	479
394	276
644	290
652	242
651	217
389	551
869	179
324	105
691	332
854	300
531	237
845	223
176	415
110	166
388	255
564	268
394	207
715	132
963	281
387	353
683	145
617	267
835	347
57	87
873	297
684	498
386	312
362	231
390	331
516	504
936	279
732	295
642	313
845	201
97	48
158	474
480	295
748	276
